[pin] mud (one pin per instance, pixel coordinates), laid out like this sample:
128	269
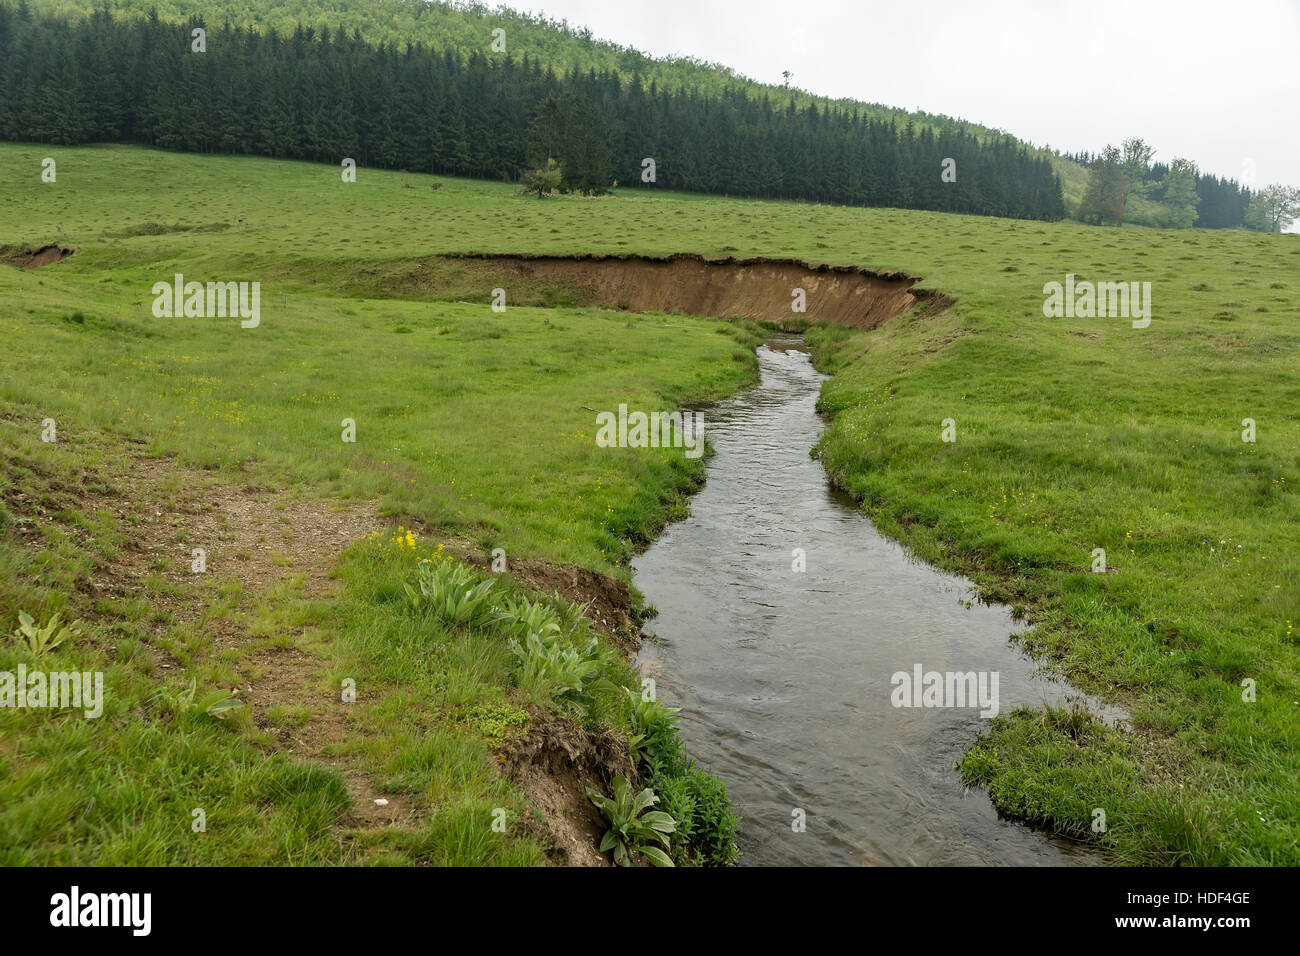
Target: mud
756	288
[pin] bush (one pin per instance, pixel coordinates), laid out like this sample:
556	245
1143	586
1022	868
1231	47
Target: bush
557	672
522	617
697	800
453	593
706	824
652	726
633	826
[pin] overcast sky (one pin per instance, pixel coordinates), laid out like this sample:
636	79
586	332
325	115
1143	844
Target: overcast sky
1216	82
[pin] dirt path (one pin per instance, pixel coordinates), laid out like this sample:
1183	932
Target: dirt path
265	540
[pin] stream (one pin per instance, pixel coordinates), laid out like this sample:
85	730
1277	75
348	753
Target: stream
785	677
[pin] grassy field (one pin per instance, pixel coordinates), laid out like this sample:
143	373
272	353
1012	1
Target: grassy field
468	422
1079	434
1071	435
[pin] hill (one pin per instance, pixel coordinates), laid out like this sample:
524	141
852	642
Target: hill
467	29
332	96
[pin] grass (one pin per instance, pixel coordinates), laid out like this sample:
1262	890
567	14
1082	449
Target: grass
1072	434
279	394
472	423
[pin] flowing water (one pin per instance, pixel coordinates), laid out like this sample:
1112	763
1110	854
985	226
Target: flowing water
784	677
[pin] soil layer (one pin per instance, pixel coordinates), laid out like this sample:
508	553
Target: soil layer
757	288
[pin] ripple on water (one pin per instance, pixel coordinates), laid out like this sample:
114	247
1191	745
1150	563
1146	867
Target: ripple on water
784	677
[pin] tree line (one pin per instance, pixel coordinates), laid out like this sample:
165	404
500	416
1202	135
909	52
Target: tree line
1178	194
321	95
466	25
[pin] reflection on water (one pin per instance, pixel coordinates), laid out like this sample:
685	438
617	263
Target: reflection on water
784	677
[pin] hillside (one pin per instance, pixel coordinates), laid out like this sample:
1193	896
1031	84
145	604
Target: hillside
107	79
467	28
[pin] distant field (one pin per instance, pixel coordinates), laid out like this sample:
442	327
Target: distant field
1071	434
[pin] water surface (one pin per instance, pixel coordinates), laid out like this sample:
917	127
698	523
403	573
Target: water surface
784	677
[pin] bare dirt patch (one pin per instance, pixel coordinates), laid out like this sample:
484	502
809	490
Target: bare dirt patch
247	533
554	765
608	600
756	288
34	258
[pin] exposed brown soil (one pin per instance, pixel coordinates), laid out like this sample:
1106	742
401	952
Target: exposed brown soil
34	258
608	600
264	539
554	765
757	288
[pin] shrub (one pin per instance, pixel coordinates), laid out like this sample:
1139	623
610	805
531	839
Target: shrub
707	825
453	593
714	824
560	672
697	800
677	798
653	730
633	826
521	617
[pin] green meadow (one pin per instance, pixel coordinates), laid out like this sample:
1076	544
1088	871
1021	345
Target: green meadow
1071	435
468	422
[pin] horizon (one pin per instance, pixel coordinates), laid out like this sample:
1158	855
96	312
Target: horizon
993	92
